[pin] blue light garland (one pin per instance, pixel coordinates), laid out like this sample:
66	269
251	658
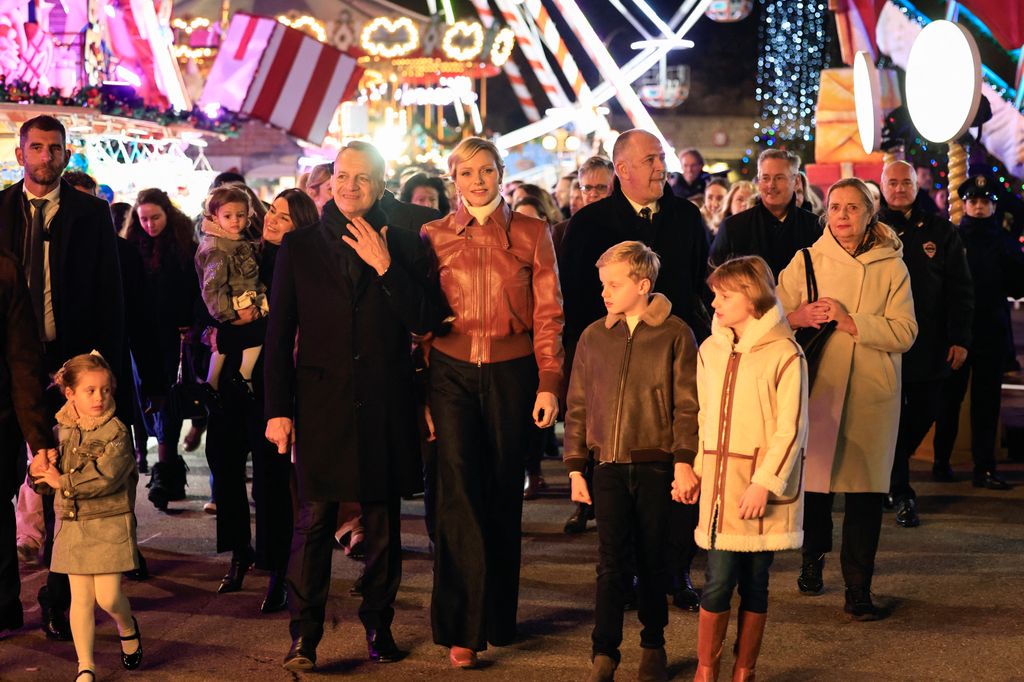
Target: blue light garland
793	43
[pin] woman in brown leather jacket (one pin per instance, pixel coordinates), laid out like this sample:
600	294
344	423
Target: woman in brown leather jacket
503	353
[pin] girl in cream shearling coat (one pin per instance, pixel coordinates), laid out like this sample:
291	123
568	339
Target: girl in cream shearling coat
752	390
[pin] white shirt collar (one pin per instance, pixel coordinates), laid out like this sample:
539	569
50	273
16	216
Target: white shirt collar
636	207
52	195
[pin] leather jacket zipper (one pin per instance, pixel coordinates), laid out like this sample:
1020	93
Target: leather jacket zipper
622	389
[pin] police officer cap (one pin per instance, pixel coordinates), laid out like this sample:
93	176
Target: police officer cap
978	186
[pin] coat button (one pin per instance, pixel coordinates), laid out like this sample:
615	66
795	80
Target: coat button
71	515
359	404
356	357
67	493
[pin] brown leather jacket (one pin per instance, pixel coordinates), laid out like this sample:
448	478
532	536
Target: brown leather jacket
633	397
501	282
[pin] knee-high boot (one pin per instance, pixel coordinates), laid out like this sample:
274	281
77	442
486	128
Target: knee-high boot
710	635
748	645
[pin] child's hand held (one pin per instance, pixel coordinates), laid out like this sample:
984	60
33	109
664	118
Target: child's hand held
580	492
753	502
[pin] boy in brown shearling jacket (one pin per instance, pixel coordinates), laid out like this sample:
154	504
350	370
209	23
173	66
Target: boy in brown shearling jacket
632	405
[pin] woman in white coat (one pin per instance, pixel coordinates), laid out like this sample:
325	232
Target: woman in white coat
854	404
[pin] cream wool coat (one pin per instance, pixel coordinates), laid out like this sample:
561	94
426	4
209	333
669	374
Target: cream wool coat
854	406
753	408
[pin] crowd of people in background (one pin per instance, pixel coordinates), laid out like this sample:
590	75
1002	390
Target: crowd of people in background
473	311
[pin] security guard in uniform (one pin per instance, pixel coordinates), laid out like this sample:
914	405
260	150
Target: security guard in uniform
943	304
997	266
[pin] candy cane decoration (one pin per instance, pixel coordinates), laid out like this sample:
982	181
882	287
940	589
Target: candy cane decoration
549	33
511	70
534	54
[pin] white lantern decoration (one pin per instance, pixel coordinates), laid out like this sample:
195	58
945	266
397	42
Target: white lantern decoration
943	81
868	102
727	11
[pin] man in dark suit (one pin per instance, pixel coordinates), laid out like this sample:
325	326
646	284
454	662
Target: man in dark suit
65	242
353	290
23	418
641	207
775	228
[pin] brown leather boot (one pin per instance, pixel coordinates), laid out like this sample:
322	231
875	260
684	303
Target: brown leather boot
710	635
748	645
653	665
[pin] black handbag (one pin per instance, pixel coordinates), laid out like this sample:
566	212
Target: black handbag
190	398
810	339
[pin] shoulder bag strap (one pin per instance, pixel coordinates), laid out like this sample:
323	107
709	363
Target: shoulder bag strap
812	281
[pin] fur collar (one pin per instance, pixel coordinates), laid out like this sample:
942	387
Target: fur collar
68	416
658	310
771	327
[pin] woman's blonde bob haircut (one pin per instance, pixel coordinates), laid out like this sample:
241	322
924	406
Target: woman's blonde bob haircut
642	261
749	275
469	148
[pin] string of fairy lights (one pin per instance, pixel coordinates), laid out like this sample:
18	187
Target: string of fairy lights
793	50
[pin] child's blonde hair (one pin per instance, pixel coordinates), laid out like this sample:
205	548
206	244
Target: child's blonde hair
749	275
223	195
70	372
642	261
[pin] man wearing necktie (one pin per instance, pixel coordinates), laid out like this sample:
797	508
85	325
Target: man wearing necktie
65	242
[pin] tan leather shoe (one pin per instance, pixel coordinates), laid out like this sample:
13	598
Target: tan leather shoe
461	657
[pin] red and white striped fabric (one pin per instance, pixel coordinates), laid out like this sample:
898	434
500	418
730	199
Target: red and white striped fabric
300	83
237	60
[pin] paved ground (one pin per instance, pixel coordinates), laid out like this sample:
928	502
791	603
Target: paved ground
955	584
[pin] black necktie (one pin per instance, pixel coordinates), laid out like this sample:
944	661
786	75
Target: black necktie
36	270
645	213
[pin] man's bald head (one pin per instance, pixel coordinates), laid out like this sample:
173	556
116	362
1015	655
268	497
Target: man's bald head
639	161
628	141
899	185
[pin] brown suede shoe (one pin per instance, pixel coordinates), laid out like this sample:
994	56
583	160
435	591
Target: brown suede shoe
653	665
603	669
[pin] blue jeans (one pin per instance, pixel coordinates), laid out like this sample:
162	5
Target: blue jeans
726	570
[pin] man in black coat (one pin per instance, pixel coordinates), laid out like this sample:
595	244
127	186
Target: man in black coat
643	208
23	418
352	290
944	307
775	228
65	242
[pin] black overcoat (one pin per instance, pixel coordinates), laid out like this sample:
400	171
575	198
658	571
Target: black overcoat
348	383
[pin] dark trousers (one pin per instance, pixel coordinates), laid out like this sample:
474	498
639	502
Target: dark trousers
862	525
984	369
482	417
227	448
921	401
682	520
10	579
309	569
632	513
271	491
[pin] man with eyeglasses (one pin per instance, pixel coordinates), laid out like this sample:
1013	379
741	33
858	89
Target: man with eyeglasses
775	228
596	178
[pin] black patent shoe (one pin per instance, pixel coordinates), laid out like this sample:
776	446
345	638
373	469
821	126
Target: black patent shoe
133	660
91	678
810	580
860	607
943	473
232	580
577	523
301	657
906	514
989	481
277	595
55	623
684	595
889	503
381	646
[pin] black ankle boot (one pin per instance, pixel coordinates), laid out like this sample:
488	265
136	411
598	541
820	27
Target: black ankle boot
241	562
860	606
810	581
277	594
167	482
684	595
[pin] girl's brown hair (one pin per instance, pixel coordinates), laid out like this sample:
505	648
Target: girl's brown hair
179	230
223	195
749	275
70	372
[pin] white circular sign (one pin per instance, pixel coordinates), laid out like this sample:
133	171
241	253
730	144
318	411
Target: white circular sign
943	81
867	99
